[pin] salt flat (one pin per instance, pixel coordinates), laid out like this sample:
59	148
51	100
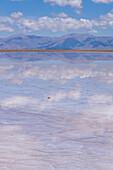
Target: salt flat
72	129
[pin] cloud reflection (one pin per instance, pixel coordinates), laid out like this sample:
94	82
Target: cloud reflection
72	128
17	101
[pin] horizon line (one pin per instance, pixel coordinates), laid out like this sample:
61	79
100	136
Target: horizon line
60	50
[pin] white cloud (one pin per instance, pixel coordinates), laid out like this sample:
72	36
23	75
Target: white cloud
98	118
72	3
60	22
5	68
103	1
54	72
106	21
95	121
101	107
64	24
4	28
17	101
6	24
78	11
60	15
62	74
6	20
54	24
16	15
57	73
100	99
73	94
101	113
56	98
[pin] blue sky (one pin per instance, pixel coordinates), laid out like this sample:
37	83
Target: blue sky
56	17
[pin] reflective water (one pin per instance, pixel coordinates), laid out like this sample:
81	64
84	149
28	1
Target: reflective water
56	114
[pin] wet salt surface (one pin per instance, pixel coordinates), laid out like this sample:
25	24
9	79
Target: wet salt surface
70	131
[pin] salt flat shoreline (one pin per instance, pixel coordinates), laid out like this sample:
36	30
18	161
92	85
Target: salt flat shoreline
63	51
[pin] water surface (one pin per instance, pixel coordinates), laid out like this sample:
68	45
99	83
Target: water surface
70	130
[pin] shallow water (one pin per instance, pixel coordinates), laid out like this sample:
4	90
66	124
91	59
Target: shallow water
72	130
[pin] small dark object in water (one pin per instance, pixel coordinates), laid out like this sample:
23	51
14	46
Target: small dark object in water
48	97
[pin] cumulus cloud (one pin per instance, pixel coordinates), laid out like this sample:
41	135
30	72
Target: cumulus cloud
61	74
101	113
4	28
54	72
16	15
6	20
60	15
100	99
4	68
103	1
72	3
54	24
64	24
98	118
73	94
6	24
56	99
60	22
106	21
17	101
95	121
101	107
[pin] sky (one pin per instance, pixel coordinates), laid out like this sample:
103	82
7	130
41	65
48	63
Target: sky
56	17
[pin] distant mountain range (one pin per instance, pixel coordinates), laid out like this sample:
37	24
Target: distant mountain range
70	41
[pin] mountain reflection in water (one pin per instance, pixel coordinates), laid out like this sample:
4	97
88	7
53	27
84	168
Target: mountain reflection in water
56	114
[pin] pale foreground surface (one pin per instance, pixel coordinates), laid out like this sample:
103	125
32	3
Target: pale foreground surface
73	130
